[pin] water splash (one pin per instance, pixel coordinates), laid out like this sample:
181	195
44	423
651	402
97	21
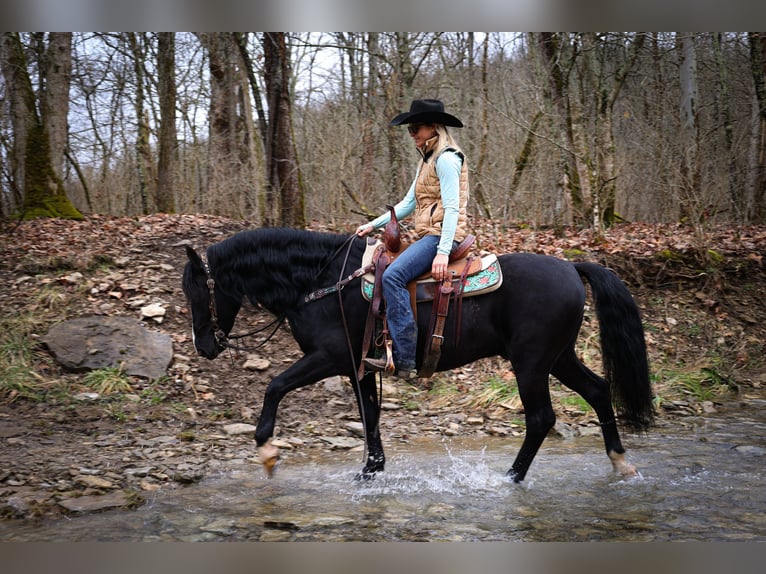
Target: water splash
459	473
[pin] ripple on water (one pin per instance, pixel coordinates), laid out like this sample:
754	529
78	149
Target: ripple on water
694	485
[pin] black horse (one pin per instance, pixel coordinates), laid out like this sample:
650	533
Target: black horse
532	320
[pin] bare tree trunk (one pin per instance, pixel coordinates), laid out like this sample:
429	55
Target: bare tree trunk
367	106
55	111
253	82
569	183
166	165
20	96
522	159
230	146
605	146
285	189
478	189
144	160
398	97
223	163
690	169
42	191
728	127
757	41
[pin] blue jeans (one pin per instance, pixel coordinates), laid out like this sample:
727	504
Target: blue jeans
411	263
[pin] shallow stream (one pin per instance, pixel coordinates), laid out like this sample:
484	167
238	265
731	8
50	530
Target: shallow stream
702	478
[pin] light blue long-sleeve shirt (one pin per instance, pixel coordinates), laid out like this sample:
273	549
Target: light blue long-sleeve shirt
448	167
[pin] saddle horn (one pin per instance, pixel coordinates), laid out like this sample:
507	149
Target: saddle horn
392	238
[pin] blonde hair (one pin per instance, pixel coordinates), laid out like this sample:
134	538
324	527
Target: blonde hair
445	140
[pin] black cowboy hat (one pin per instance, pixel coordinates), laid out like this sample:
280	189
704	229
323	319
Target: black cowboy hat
427	112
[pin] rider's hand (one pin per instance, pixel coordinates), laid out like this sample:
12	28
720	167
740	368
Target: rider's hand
364	229
439	266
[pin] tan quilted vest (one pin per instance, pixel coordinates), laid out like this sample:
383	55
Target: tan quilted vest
429	211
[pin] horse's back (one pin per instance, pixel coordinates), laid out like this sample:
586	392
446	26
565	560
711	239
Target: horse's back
537	310
531	276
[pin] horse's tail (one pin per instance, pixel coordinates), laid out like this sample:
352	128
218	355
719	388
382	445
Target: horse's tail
623	347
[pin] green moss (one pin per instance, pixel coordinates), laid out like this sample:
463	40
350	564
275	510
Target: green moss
669	255
714	256
44	194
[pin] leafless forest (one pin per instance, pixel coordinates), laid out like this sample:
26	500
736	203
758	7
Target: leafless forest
582	129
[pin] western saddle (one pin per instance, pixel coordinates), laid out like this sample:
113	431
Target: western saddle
461	266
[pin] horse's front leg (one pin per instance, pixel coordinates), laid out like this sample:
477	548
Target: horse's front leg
306	371
368	401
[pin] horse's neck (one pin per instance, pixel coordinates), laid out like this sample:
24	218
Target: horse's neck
279	276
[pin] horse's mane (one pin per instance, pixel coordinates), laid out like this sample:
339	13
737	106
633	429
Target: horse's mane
273	266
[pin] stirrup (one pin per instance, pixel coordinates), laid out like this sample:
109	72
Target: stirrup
382	365
379	366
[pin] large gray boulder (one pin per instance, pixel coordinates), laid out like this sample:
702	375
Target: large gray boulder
88	343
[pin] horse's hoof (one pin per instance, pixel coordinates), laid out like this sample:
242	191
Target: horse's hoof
365	476
269	455
514	476
622	467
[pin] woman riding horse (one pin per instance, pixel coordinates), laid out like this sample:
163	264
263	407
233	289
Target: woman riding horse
438	196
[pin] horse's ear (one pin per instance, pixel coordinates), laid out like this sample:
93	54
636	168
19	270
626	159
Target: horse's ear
194	258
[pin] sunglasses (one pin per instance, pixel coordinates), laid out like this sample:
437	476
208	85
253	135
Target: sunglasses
414	128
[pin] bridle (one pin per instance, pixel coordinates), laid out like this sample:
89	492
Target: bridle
221	338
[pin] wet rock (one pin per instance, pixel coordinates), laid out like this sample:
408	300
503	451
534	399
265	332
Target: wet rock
590	431
275	536
187	474
750	450
88	343
237	429
149	486
390	406
708	407
564	430
329	520
85	504
341	442
94	482
222	526
14	507
140	471
355	428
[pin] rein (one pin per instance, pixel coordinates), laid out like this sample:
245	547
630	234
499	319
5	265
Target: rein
319	293
323	292
337	288
221	338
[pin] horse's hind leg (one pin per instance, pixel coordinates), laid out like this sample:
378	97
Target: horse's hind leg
367	399
595	390
539	417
